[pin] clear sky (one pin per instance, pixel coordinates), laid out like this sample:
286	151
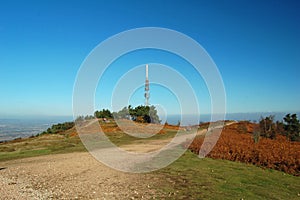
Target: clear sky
255	44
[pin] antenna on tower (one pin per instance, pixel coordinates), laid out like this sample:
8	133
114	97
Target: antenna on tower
147	94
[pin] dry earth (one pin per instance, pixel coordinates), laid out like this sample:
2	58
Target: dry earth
79	176
72	176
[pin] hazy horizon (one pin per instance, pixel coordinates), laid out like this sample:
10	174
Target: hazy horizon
14	127
228	115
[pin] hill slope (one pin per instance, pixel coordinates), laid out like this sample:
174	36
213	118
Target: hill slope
78	175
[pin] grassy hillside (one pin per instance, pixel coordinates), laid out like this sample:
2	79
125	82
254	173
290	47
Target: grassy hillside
41	145
54	141
193	178
187	178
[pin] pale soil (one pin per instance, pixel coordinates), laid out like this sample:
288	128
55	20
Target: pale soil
154	145
80	176
72	176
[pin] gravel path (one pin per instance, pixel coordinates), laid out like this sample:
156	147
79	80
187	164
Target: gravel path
80	176
72	176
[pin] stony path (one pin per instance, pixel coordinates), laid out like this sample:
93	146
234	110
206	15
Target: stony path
72	176
80	176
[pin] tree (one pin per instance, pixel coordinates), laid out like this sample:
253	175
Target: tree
60	127
143	114
122	114
79	118
153	115
267	127
292	127
104	113
88	117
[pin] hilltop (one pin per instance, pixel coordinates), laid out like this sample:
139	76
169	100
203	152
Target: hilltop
72	173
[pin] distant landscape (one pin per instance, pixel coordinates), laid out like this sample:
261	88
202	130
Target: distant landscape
13	127
241	163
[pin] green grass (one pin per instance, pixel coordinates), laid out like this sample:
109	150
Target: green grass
189	177
193	178
23	154
41	145
63	143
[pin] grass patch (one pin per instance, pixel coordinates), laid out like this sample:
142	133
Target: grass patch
193	178
41	145
23	154
63	143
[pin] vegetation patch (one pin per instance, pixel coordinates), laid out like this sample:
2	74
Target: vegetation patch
239	143
190	177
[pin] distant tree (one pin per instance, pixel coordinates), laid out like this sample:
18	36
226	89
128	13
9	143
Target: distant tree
104	113
122	114
279	128
60	127
154	118
88	117
292	127
267	127
144	114
79	119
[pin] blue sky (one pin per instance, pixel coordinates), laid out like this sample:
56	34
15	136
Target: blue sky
255	44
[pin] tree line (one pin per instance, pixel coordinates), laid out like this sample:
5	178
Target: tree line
290	127
58	128
144	114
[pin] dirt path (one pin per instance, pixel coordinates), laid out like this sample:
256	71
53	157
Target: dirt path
72	176
154	145
79	176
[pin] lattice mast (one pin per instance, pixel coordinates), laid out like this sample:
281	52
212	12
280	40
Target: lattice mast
147	94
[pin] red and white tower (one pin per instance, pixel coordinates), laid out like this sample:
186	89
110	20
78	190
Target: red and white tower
147	94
